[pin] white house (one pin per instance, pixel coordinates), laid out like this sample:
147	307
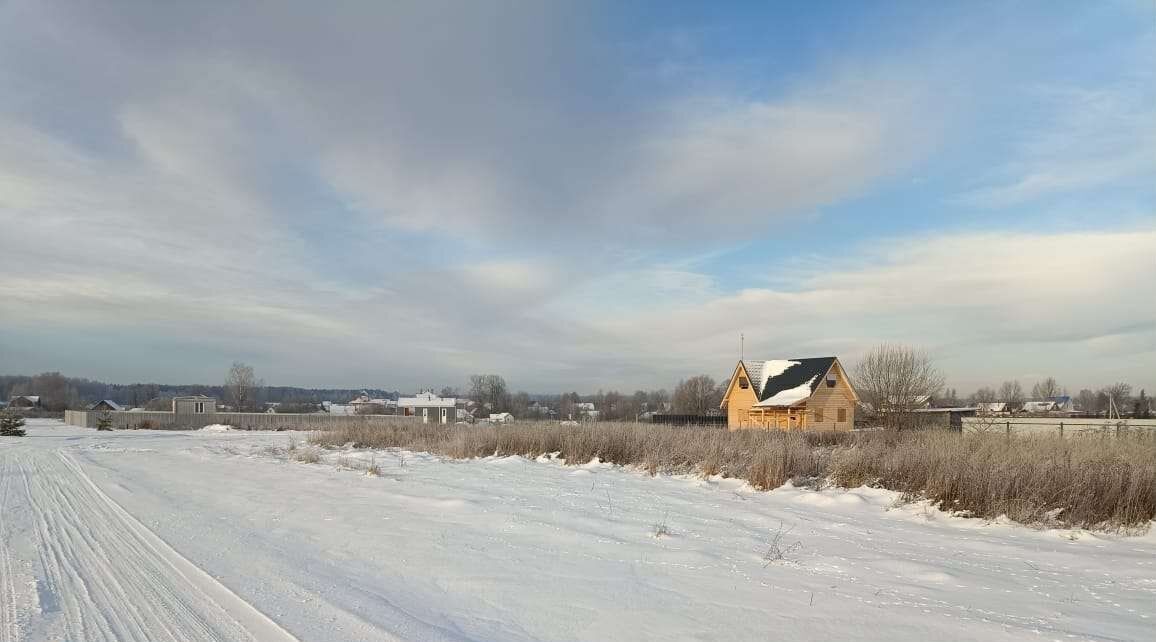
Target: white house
427	405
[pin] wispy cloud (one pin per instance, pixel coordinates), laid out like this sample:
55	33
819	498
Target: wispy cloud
408	193
1087	139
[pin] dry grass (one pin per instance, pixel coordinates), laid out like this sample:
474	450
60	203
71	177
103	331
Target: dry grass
1094	482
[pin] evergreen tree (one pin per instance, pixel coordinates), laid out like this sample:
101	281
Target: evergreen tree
11	424
104	421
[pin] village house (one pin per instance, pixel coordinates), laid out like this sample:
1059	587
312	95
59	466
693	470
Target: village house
363	404
428	405
194	405
790	394
24	401
105	404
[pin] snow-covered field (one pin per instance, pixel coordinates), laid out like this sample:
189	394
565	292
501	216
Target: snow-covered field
218	535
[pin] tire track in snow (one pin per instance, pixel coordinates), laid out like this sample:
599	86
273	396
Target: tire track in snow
9	624
106	576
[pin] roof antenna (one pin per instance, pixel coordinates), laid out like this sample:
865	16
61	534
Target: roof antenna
741	341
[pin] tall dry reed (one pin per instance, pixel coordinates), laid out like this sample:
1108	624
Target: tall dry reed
1096	482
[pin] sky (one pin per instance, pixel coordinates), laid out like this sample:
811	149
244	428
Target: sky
576	196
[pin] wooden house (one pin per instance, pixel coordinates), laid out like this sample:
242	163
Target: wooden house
790	394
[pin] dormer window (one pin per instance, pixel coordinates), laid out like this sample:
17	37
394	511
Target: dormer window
743	383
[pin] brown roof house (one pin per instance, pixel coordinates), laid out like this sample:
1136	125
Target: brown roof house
790	394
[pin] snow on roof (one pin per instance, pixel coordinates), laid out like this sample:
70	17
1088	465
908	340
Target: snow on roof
111	404
761	371
426	400
790	396
1039	406
771	377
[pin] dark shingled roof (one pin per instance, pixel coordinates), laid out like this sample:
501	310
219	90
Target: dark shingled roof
805	370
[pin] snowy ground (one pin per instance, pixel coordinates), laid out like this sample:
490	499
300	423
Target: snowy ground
216	535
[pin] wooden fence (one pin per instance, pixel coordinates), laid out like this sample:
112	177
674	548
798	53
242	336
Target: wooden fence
1061	426
241	420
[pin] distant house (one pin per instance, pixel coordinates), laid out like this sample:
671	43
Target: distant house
539	409
1038	406
24	401
105	404
790	394
500	418
429	406
912	402
337	408
1063	403
992	407
194	405
363	404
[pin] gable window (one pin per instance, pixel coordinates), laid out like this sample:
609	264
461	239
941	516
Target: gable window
743	383
199	407
818	414
831	379
842	414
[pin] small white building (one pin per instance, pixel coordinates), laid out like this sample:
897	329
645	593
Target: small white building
429	406
500	418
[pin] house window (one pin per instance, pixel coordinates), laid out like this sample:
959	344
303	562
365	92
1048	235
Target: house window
842	414
831	379
199	407
818	414
743	383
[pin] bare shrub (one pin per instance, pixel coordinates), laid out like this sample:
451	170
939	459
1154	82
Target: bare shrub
779	550
1098	482
305	455
661	529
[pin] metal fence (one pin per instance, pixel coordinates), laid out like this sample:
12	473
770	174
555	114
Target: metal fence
1060	426
689	420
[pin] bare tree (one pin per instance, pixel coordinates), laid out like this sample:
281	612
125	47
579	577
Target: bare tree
520	404
1012	393
1046	389
489	390
241	386
894	379
696	396
1116	396
984	395
1087	401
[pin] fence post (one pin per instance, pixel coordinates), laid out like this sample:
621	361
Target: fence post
1061	429
1007	429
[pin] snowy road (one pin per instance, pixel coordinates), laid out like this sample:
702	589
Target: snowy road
98	573
216	536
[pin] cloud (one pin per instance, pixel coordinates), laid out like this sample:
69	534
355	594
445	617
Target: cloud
1063	302
1092	138
408	193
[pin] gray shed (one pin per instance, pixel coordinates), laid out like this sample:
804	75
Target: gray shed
194	405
